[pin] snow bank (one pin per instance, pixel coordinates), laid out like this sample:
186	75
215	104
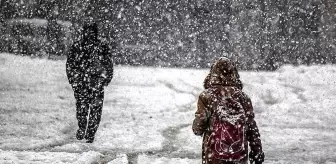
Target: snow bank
120	159
48	157
144	159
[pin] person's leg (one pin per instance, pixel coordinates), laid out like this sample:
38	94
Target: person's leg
96	107
82	108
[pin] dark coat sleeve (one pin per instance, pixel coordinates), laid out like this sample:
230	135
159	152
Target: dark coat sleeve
200	123
253	135
73	70
108	64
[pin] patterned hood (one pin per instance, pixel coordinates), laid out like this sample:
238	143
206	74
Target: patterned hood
223	72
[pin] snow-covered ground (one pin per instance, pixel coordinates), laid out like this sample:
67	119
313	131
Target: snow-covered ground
148	113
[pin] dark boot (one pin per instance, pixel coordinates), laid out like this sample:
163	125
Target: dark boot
80	134
89	139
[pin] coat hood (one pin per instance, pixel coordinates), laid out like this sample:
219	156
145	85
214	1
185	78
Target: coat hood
223	72
90	32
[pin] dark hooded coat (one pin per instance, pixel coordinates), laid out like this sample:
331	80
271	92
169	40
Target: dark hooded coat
224	76
89	63
89	68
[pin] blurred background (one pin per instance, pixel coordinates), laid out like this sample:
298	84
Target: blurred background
258	34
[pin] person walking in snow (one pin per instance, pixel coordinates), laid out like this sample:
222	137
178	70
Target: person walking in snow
89	69
225	118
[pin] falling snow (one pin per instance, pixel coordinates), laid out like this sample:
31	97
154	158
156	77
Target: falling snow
162	51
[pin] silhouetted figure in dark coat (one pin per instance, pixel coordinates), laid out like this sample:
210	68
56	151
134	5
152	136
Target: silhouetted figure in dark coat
89	69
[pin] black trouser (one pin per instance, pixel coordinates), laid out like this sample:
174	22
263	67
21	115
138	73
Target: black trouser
89	104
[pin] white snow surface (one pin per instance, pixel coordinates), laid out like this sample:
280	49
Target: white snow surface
148	112
144	159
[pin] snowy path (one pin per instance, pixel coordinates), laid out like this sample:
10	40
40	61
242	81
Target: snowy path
148	112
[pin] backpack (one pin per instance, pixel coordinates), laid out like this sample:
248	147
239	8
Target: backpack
227	129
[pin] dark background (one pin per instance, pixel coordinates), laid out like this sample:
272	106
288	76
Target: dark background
259	34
